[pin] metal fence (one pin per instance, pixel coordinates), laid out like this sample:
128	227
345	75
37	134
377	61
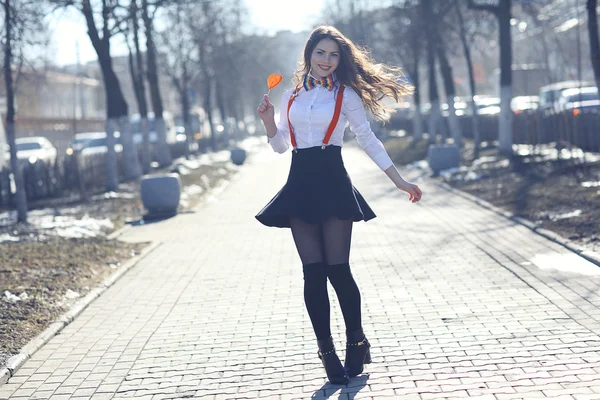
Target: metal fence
84	174
580	130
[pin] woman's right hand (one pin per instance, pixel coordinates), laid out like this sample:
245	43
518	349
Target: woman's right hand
266	110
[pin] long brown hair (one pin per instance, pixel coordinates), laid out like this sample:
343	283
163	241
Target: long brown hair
371	81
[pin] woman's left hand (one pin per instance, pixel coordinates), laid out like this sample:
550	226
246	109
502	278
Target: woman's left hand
413	190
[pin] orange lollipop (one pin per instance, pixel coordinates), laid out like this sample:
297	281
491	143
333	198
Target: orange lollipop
273	80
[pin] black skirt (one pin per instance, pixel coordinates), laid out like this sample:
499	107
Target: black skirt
318	187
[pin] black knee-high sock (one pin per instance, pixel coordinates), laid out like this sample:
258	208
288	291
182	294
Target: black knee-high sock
348	294
316	298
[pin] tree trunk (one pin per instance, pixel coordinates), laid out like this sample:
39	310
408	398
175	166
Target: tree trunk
21	197
416	80
503	14
117	112
418	118
137	76
208	109
446	70
185	109
222	112
115	101
594	44
434	100
163	153
112	169
505	122
136	80
472	87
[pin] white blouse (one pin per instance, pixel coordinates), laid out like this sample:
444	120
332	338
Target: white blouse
311	114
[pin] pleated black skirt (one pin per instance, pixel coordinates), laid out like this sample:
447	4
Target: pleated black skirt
318	187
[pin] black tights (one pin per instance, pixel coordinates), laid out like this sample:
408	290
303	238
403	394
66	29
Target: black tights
324	250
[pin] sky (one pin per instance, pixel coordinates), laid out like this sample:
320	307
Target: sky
67	27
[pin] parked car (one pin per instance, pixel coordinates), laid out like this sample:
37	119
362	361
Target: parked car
85	159
37	159
525	104
32	150
175	135
95	141
579	100
550	94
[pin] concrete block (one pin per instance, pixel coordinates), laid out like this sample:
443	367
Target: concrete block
441	157
238	156
161	193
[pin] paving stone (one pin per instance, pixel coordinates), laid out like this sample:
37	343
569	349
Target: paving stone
457	303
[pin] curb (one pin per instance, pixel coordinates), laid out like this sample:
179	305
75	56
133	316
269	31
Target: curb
15	362
118	232
590	256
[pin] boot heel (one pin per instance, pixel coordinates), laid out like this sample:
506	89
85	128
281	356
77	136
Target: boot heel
333	367
368	357
358	353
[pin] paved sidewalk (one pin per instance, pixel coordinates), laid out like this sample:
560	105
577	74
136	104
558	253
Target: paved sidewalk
458	302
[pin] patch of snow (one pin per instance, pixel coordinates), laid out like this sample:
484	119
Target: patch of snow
71	294
569	262
572	214
211	158
49	220
11	298
6	237
193	189
484	160
113	195
590	184
421	164
70	227
472	176
252	143
182	170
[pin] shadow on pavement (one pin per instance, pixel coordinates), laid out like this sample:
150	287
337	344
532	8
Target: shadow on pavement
153	218
329	390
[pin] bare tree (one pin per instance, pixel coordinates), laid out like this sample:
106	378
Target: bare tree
179	61
149	10
502	11
23	31
202	23
112	17
469	60
594	43
136	68
10	111
428	18
443	42
229	73
406	41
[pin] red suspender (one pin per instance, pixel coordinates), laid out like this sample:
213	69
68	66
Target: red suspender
336	116
292	97
334	120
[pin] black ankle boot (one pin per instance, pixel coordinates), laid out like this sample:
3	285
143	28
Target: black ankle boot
358	353
333	366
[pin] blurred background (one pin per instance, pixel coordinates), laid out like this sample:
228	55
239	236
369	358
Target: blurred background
98	92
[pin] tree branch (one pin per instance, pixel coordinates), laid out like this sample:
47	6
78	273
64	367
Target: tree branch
86	9
105	19
484	7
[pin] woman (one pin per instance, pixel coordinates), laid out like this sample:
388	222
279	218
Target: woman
335	84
